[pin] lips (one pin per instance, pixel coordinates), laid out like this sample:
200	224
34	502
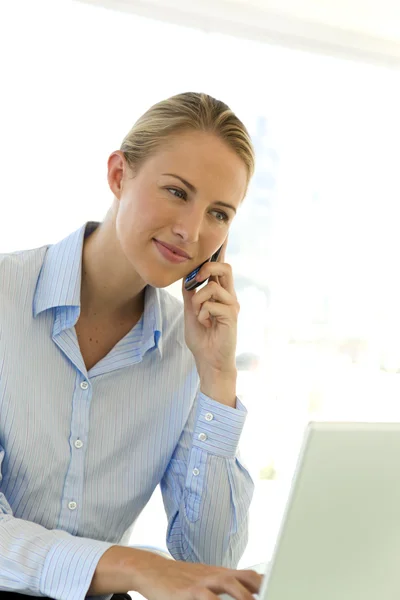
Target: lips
174	249
171	253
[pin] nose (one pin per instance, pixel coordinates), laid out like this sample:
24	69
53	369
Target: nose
188	224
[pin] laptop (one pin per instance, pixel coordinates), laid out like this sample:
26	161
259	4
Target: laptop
339	537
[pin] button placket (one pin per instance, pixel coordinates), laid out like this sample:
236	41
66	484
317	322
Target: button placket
74	481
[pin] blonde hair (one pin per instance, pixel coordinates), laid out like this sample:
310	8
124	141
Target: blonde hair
189	111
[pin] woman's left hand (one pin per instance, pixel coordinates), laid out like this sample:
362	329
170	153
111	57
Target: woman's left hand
211	315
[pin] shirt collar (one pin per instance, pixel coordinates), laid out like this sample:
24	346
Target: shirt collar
59	284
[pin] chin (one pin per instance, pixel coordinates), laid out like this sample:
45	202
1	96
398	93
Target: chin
160	280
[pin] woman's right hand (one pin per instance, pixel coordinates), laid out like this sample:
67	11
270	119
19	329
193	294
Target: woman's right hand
157	578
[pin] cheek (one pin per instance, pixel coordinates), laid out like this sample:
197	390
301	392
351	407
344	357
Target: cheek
213	238
136	213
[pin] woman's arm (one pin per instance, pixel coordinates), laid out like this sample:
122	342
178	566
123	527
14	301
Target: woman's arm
206	490
158	578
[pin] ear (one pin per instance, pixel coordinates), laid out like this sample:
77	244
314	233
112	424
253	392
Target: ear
116	170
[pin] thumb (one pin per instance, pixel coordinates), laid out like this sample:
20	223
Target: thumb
187	297
188	311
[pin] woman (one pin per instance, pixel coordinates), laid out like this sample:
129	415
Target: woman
107	389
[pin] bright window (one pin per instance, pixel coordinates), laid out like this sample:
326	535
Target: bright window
314	249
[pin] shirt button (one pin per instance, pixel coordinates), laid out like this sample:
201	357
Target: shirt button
196	472
202	437
84	385
78	444
72	505
209	417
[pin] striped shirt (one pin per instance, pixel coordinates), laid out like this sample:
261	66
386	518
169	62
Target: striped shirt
81	452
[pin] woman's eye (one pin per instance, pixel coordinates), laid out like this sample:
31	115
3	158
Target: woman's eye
178	193
220	216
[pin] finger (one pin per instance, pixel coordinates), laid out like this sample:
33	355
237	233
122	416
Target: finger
212	291
221	257
220	271
231	585
190	315
187	295
210	310
250	579
202	594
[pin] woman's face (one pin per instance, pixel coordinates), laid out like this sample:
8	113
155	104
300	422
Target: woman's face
183	198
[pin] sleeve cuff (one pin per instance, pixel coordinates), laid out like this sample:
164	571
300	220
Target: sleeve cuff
217	427
69	568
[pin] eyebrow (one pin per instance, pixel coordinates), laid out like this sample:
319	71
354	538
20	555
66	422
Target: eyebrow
194	190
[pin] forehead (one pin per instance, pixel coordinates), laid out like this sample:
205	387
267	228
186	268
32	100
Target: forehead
206	162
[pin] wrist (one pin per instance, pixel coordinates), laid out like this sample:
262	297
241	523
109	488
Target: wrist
122	569
219	386
114	572
144	566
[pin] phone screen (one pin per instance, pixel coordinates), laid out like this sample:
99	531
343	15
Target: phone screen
190	281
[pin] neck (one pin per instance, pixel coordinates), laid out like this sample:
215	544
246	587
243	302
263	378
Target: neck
110	288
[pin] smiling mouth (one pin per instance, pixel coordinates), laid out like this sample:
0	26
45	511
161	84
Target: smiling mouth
169	253
174	249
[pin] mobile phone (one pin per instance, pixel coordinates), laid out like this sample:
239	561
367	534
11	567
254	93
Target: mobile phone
190	281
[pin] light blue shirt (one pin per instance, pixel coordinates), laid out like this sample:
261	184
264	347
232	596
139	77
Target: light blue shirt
82	452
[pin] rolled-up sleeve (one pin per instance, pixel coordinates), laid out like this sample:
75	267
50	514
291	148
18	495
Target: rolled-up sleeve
206	489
